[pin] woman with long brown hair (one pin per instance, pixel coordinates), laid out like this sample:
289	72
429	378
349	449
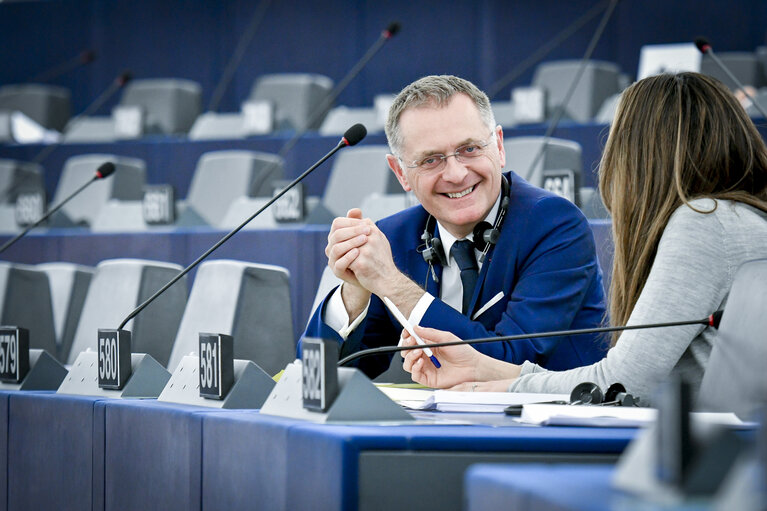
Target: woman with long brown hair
684	176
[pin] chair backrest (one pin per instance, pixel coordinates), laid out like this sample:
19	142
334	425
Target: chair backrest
735	379
744	65
606	112
295	97
379	205
357	172
599	81
504	113
25	301
69	285
223	176
171	105
250	302
341	118
19	177
118	287
48	105
218	126
558	153
126	183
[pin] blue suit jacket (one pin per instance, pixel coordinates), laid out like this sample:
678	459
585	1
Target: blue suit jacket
542	275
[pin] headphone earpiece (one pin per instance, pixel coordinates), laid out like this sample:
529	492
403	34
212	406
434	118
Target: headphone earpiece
588	393
433	251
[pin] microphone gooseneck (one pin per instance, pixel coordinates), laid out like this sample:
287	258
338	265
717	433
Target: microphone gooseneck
83	58
117	84
705	48
712	320
392	29
545	49
105	169
352	136
571	90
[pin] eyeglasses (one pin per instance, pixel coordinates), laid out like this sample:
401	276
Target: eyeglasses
464	154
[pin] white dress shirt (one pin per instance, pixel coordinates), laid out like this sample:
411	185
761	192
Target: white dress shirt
451	290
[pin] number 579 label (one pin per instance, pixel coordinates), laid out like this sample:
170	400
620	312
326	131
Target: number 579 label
14	353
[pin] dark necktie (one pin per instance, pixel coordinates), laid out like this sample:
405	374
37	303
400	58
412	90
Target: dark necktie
463	253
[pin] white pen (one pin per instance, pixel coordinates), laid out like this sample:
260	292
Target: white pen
407	326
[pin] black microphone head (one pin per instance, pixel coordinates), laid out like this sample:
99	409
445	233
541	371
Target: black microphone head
87	56
105	170
354	135
702	44
715	319
392	29
124	78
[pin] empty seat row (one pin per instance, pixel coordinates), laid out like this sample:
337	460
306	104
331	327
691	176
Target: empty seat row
64	305
228	186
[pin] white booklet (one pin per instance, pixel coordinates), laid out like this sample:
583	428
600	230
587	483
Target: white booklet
451	401
608	416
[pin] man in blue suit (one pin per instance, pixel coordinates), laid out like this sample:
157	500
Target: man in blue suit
484	254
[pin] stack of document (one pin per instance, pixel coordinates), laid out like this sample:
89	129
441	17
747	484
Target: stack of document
609	416
451	401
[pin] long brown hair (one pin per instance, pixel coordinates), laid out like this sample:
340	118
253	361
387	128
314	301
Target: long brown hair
675	138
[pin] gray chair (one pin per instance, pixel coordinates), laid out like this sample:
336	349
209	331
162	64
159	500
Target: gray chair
120	216
125	184
218	126
504	113
118	287
735	379
90	129
591	204
341	118
48	105
744	65
223	176
357	172
17	177
296	98
171	105
25	301
68	285
521	152
6	128
250	302
606	112
380	205
599	81
761	98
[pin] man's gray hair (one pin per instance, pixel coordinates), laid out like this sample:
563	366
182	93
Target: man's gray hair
436	90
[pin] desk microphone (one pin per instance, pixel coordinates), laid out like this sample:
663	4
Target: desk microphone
116	85
83	58
571	89
712	320
705	48
386	35
105	170
545	49
352	137
239	52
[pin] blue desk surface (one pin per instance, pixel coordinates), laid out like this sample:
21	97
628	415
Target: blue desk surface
124	454
552	488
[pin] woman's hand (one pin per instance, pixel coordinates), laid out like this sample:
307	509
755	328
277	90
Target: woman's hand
462	367
457	363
